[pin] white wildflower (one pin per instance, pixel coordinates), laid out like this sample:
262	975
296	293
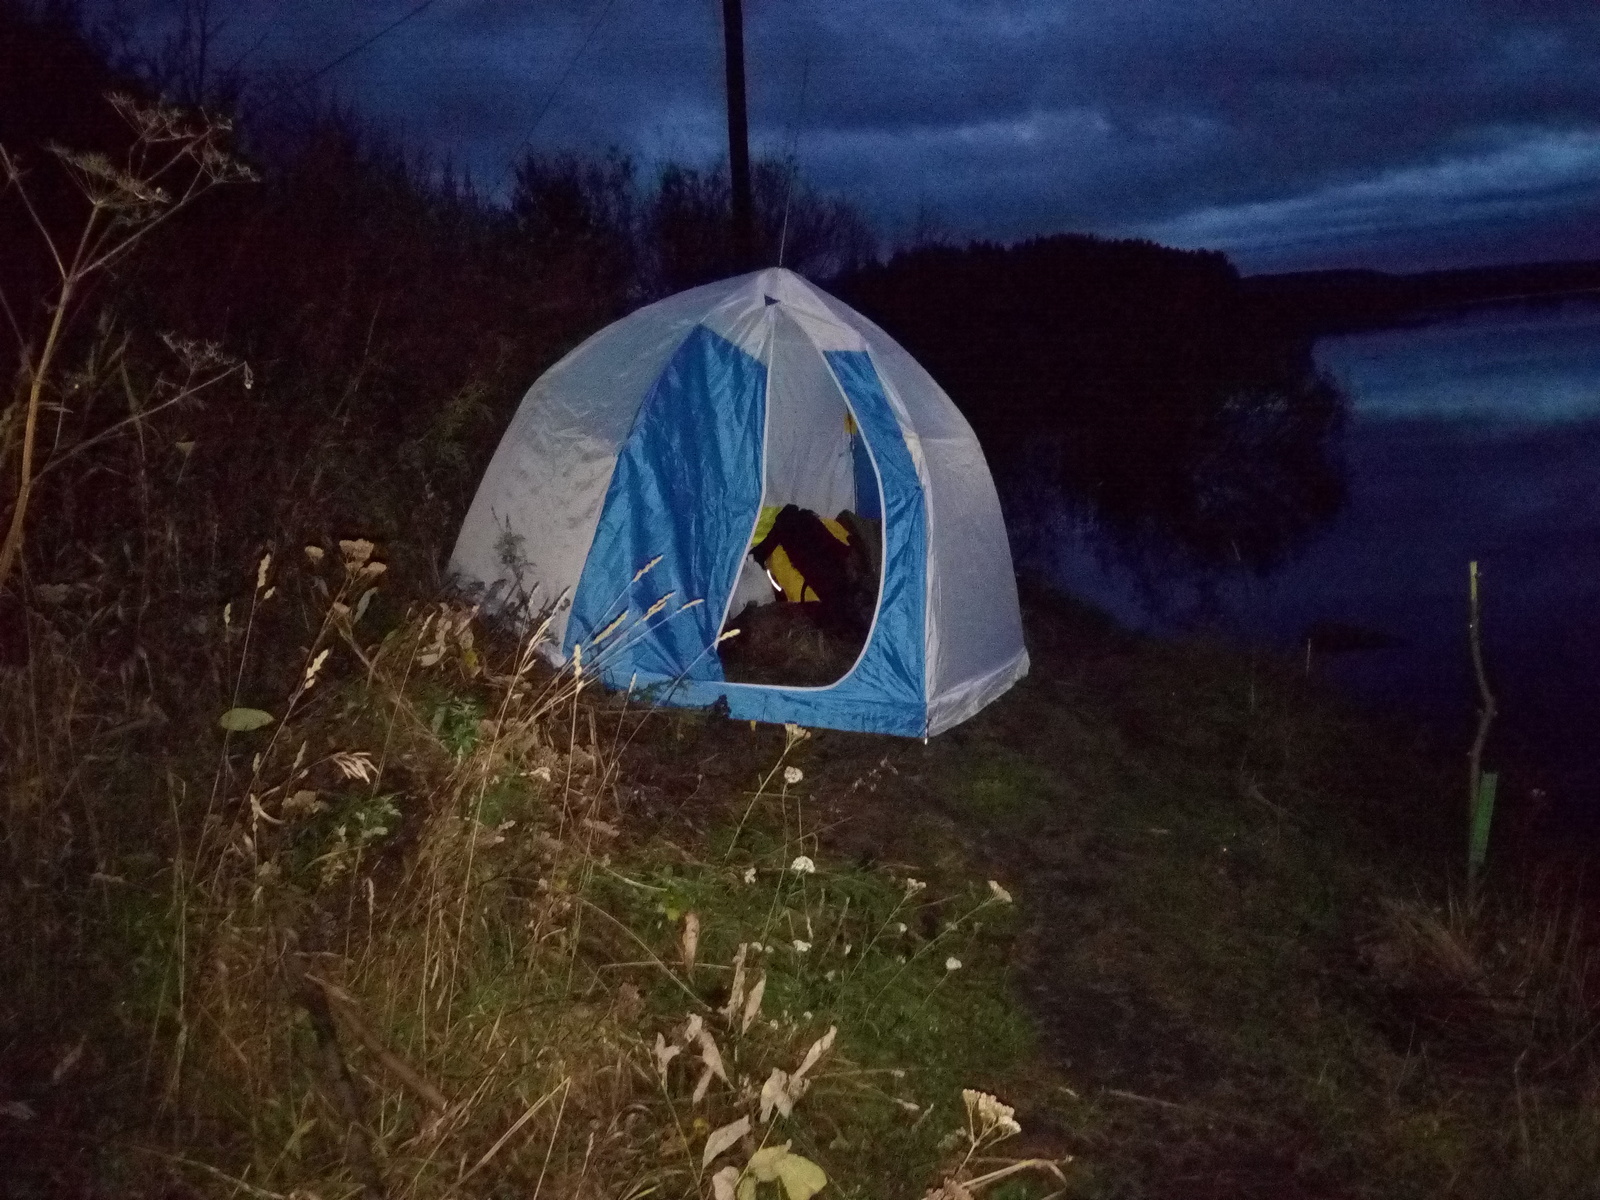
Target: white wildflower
999	892
913	886
355	551
801	947
952	963
802	865
793	775
749	875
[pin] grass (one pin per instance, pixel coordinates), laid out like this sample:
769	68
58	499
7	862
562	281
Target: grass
1239	950
420	934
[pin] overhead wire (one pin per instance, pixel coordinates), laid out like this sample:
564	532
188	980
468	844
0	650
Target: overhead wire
415	11
566	72
794	155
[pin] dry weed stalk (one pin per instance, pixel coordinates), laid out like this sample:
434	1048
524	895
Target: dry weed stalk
174	158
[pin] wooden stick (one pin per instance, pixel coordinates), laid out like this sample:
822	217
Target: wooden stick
343	1005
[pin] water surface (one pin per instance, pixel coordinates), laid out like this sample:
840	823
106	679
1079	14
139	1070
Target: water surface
1474	437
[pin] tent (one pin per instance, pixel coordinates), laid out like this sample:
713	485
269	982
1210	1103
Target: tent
624	497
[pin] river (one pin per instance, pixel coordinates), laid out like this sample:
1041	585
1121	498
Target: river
1471	437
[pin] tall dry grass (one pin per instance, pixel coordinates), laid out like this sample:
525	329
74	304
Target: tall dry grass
394	928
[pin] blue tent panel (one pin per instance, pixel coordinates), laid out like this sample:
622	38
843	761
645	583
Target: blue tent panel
893	665
686	489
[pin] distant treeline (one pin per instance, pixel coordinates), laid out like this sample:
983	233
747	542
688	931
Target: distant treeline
1325	302
1147	385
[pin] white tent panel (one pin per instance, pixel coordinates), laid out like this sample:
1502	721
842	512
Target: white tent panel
808	444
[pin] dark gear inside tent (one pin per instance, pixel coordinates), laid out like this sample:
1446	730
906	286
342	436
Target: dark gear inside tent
823	574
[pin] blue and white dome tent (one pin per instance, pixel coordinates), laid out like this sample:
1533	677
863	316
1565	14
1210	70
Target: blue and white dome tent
664	436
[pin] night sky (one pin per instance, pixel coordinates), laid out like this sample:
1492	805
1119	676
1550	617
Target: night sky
1292	134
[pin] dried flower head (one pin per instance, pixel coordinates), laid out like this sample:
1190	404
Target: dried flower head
802	865
999	892
793	775
988	1117
355	764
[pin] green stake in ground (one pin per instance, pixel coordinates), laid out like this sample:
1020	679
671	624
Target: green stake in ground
1480	783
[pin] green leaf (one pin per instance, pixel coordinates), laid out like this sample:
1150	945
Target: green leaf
802	1178
243	720
763	1164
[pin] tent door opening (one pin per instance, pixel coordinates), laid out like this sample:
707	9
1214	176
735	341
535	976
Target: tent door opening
810	581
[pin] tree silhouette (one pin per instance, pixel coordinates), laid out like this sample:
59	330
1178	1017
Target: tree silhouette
1168	408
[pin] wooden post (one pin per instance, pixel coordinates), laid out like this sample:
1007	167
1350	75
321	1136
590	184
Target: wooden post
744	239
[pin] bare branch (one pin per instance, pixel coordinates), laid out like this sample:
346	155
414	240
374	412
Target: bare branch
188	392
14	175
16	325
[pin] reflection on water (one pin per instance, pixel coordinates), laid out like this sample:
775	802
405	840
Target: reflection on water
1475	438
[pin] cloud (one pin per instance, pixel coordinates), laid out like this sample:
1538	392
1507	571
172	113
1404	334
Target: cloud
1530	174
1019	117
